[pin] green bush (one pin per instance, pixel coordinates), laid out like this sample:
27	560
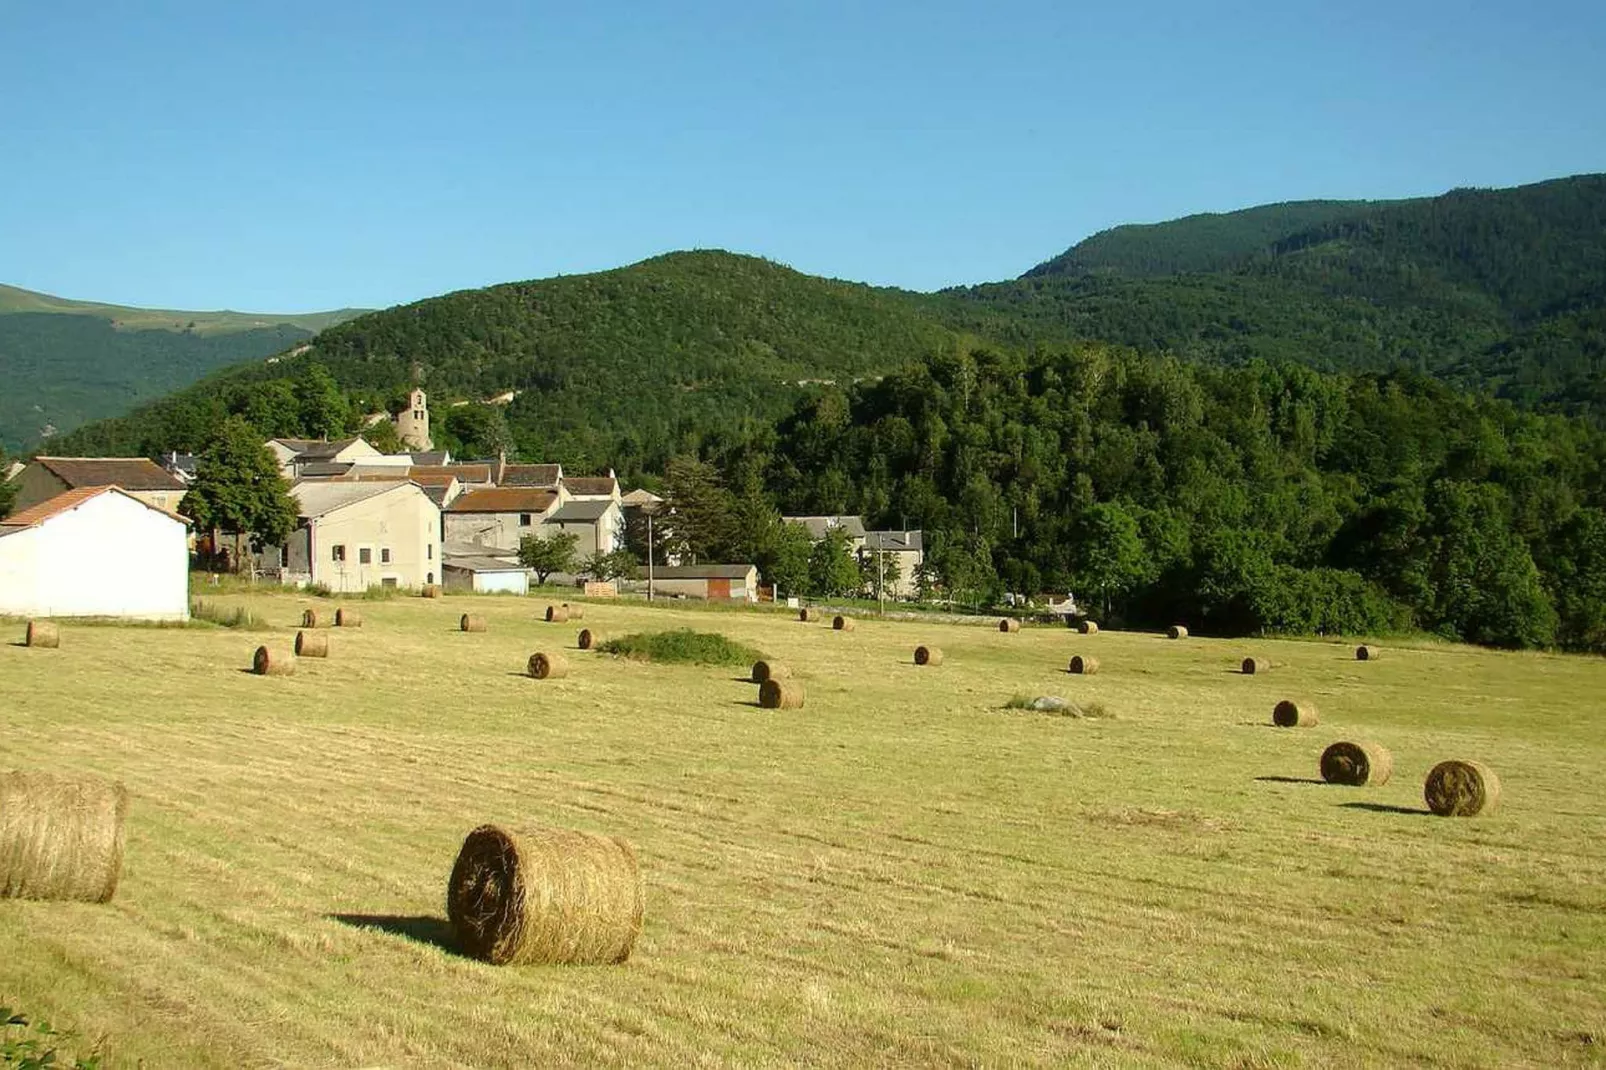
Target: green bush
683	645
28	1044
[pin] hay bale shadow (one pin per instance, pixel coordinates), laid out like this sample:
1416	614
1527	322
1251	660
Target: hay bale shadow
1291	780
419	928
754	703
1385	808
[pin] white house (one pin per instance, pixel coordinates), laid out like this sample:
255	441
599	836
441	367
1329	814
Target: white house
351	536
95	552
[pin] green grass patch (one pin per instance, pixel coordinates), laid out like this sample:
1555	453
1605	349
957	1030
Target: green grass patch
683	645
1059	707
228	616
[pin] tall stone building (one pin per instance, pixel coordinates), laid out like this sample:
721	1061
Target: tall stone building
412	423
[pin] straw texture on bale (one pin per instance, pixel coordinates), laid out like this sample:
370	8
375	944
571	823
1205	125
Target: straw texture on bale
269	662
309	618
808	613
42	633
545	897
472	622
843	624
587	639
1251	666
556	615
1357	764
312	645
776	694
928	655
1365	653
348	618
1088	627
1291	714
770	670
1081	666
431	590
1009	624
1461	789
1176	631
576	611
60	837
545	666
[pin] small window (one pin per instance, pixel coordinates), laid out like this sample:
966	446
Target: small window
365	555
429	553
384	555
524	520
388	581
429	577
339	552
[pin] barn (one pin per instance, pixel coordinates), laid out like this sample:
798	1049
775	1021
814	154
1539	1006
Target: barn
95	552
486	575
719	583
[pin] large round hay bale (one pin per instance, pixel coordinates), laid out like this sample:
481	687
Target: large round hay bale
545	666
1176	631
1084	666
60	837
1009	624
928	655
43	634
472	622
1357	764
1366	653
1087	627
270	662
842	624
776	694
1461	789
575	610
1251	666
807	614
557	615
770	670
309	618
312	644
588	639
430	590
347	618
1291	714
545	897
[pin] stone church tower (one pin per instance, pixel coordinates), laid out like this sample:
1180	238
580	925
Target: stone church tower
412	423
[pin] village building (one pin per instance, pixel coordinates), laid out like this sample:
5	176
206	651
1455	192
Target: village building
715	583
412	422
95	551
541	476
353	535
498	517
486	575
819	526
597	523
298	457
44	478
901	553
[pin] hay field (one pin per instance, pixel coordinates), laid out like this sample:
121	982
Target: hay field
901	873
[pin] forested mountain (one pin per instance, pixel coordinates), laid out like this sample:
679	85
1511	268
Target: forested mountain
66	363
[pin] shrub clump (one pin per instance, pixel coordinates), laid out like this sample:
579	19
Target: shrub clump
227	616
683	645
1059	707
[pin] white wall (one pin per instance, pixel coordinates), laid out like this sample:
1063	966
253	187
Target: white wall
109	557
403	521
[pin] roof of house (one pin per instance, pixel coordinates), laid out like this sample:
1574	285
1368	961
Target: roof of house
640	497
326	469
702	572
296	445
468	473
894	540
591	486
324	451
469	548
482	564
431	457
319	497
129	473
532	475
581	512
504	500
818	525
66	501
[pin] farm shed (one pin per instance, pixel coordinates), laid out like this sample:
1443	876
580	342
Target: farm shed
486	575
95	552
733	583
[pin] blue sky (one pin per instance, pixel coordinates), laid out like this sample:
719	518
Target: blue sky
298	156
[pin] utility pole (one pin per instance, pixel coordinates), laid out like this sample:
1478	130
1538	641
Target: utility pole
881	578
649	513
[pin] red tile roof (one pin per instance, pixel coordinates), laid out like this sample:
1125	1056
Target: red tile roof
35	515
532	475
590	486
504	500
468	473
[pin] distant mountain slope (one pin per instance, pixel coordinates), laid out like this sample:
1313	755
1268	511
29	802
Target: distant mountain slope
66	363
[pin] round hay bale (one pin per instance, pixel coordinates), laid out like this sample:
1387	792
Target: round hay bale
1291	714
576	611
1088	627
1251	666
472	622
60	837
430	590
269	662
776	694
770	670
1357	764
928	655
1009	624
348	618
808	614
309	618
1366	653
588	639
1176	631
545	897
557	615
1081	666
43	634
842	624
544	666
312	644
1461	789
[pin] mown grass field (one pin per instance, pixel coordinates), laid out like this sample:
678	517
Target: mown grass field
902	873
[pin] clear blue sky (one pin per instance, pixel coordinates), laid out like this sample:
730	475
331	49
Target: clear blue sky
296	156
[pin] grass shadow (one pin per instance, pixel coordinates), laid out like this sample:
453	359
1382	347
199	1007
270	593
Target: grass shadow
1290	780
420	928
1385	808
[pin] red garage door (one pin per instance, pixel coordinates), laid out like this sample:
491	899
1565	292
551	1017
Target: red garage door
719	589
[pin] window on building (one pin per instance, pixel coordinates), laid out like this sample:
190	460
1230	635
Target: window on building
384	555
338	553
429	552
365	555
524	520
388	581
